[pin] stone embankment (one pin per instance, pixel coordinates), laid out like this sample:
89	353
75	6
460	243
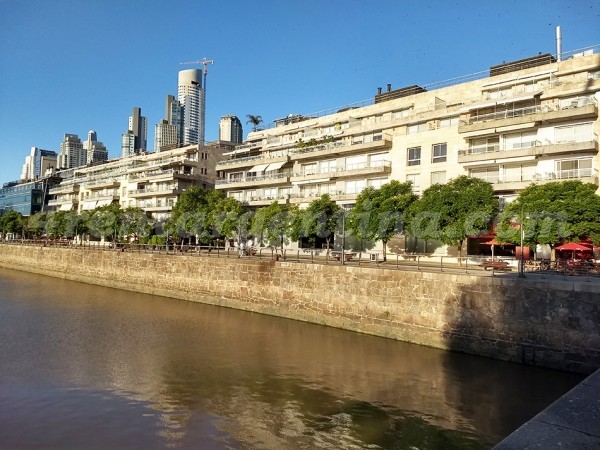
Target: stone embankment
544	322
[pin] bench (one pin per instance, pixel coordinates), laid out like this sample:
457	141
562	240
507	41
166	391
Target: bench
496	265
347	256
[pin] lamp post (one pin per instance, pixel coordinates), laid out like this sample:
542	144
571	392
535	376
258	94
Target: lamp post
522	230
343	257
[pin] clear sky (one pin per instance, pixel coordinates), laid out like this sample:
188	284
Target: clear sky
70	66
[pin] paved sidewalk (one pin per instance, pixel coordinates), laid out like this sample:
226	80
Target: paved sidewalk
571	422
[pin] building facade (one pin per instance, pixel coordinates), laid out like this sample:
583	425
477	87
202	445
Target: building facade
230	130
151	181
72	153
168	133
190	95
135	140
37	163
95	151
534	120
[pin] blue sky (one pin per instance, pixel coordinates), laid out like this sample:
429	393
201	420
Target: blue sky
70	66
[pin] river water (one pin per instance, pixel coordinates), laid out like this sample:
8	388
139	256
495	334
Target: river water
86	367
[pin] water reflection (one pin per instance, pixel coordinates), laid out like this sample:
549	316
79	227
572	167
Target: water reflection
85	366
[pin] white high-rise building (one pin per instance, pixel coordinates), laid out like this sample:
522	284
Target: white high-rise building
190	94
37	163
230	129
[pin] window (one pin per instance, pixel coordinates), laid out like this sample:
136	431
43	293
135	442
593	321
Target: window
580	132
309	169
414	156
515	141
438	177
378	159
414	180
377	182
490	175
438	153
356	162
327	166
355	187
574	168
270	194
448	122
417	128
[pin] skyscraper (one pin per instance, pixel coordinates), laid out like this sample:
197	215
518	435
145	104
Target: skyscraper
167	133
72	153
94	149
230	129
138	131
191	96
37	163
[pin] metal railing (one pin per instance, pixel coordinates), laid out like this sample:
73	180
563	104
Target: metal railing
481	265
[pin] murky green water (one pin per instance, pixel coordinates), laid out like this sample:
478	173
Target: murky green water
85	367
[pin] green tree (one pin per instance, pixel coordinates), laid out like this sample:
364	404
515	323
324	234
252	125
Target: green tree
135	222
105	221
321	218
273	223
55	224
450	212
12	222
254	120
74	224
379	213
227	217
36	224
551	213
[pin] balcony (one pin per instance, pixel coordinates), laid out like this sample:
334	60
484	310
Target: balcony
586	142
154	175
247	161
112	194
154	192
277	178
99	184
266	201
350	170
381	141
529	114
503	183
64	189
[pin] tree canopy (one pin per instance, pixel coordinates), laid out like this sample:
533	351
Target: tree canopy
450	212
273	223
12	222
552	212
321	218
379	213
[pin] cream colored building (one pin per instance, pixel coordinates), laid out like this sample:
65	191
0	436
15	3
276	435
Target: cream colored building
532	120
151	181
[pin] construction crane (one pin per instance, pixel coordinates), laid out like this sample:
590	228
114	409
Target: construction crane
204	63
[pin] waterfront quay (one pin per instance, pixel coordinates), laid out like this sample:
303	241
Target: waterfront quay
547	321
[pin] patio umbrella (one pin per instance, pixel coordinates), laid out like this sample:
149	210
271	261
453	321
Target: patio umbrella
493	243
574	247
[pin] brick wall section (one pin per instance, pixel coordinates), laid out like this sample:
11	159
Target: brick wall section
550	323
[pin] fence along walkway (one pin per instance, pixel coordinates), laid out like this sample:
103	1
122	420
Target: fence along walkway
482	265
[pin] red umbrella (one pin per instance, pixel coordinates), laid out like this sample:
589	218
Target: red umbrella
493	243
573	247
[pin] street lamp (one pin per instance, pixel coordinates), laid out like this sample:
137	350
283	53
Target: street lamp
522	230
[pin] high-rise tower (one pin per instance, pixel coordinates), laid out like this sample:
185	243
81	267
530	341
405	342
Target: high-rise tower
190	94
168	133
230	129
135	140
94	149
72	153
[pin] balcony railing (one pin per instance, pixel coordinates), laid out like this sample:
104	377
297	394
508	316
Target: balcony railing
495	177
505	114
493	148
275	176
347	168
153	190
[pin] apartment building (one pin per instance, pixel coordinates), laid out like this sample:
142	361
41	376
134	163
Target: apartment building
533	120
151	181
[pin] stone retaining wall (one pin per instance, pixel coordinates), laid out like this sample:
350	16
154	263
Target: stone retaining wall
548	323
